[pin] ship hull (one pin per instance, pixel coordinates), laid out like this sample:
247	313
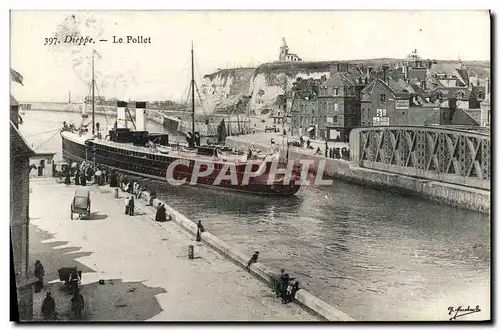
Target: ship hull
137	161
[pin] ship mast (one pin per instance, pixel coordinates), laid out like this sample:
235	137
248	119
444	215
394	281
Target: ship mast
93	101
192	93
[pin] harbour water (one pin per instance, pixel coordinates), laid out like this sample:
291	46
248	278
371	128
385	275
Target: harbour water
375	255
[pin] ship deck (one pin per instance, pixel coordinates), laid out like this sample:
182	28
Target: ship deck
180	154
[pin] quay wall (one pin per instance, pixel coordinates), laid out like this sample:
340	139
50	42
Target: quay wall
151	114
263	273
456	195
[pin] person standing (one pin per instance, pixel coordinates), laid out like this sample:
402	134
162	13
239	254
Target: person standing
77	177
152	197
127	205
74	280
131	206
200	226
48	307
161	213
77	303
39	273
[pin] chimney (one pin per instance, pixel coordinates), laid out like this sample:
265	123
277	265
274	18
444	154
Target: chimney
486	86
121	119
384	68
333	69
140	124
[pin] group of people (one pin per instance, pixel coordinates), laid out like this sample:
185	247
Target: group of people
72	280
336	153
84	172
285	288
72	128
136	189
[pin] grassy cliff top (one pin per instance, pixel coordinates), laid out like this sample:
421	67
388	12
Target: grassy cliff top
228	72
480	68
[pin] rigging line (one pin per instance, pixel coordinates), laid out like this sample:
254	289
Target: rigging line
186	93
36	134
201	101
102	107
197	67
48	139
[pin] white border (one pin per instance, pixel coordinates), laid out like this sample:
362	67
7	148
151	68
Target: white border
191	4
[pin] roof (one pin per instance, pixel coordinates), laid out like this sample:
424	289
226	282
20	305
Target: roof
369	88
13	101
463	75
293	55
350	77
44	153
448	67
18	145
418	73
452	92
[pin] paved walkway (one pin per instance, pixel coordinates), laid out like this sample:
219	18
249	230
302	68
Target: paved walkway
136	249
265	139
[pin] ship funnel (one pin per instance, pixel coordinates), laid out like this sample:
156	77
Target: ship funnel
140	124
121	118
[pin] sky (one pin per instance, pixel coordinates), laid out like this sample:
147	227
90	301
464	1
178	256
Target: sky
160	70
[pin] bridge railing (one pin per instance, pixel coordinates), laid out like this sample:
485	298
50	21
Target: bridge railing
437	153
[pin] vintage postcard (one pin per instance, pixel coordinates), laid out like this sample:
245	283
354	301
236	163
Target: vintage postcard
250	165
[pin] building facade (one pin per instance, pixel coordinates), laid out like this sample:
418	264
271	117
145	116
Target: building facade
339	103
304	109
20	152
382	106
486	111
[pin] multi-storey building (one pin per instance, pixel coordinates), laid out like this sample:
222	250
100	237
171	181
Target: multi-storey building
304	107
339	103
384	104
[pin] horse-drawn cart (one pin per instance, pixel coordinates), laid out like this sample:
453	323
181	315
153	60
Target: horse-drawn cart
81	203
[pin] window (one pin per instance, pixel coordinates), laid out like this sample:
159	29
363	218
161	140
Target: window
335	119
335	106
335	91
313	120
382	98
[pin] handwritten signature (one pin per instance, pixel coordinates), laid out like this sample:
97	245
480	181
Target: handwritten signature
462	311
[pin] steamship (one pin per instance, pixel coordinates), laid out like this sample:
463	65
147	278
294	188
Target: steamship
145	154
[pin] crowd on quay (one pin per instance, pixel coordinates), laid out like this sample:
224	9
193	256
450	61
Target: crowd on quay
330	152
85	172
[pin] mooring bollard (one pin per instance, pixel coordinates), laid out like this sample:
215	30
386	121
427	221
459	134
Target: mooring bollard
116	192
191	252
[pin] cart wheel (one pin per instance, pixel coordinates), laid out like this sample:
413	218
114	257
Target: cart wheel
71	214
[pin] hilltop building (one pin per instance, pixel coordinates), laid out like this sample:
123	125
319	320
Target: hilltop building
285	56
